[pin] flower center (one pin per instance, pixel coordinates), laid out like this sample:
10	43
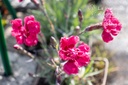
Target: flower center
72	53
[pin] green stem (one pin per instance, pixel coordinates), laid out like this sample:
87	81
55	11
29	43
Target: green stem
3	49
68	15
10	8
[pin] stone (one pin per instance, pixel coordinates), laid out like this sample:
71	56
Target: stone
20	68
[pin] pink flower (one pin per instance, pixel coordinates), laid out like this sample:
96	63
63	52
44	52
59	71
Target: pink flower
70	67
75	57
27	33
66	43
111	26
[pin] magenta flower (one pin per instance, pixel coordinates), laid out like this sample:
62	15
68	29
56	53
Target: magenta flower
20	0
75	57
27	33
111	26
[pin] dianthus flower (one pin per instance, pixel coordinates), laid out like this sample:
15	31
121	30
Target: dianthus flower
75	57
27	33
111	26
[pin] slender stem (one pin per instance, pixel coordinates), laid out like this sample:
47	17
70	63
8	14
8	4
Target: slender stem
67	15
50	22
80	24
3	49
18	47
58	76
52	60
105	69
10	8
43	10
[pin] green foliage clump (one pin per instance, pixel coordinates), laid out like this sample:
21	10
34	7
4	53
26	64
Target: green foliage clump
64	16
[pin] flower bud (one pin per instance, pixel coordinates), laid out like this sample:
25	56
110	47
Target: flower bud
80	15
77	30
94	27
16	46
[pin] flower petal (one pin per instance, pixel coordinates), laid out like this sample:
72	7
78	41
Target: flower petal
73	40
15	33
106	37
19	39
29	18
66	43
84	47
33	27
83	61
16	24
31	40
62	55
70	68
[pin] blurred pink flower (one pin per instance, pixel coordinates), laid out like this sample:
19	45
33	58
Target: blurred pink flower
111	26
75	56
20	0
26	34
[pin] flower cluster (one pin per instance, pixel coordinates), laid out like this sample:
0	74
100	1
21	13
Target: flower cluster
27	33
75	56
111	26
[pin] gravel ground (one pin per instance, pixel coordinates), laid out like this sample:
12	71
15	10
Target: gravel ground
120	43
20	68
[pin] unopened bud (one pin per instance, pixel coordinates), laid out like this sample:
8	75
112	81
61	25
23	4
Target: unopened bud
77	30
94	27
53	42
80	15
16	46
